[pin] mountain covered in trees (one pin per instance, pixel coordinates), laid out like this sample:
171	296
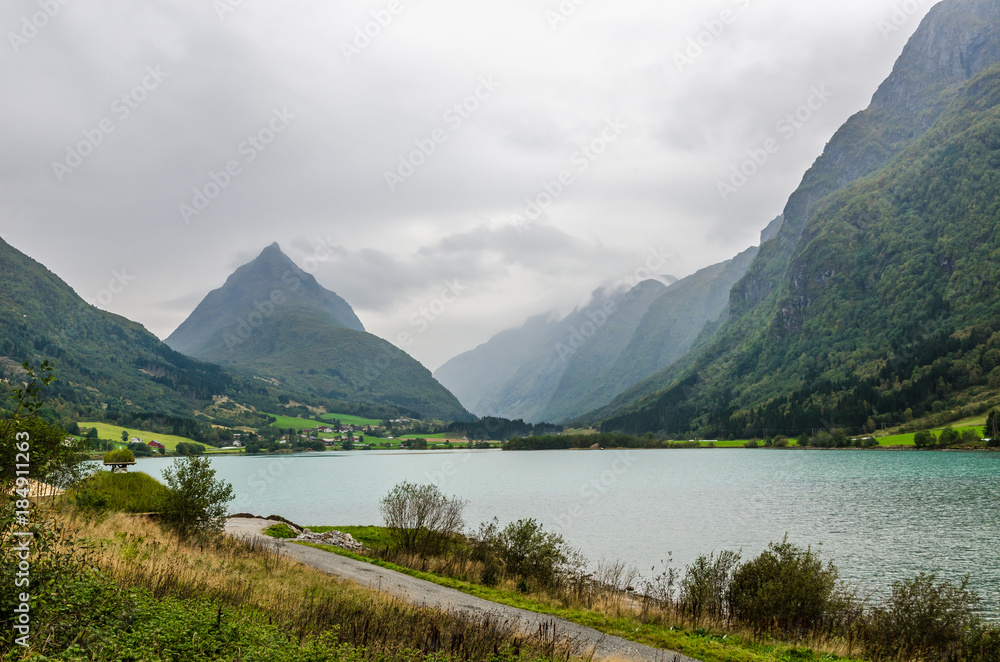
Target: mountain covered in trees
878	298
556	368
274	321
102	361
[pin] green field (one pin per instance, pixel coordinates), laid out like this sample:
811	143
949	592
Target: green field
290	423
907	439
114	433
347	419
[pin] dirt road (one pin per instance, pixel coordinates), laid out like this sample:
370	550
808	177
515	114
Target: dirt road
423	593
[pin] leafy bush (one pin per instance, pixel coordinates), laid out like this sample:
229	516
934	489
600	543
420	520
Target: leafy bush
185	449
925	619
705	585
949	437
281	530
924	439
196	501
785	588
421	518
129	492
523	549
120	456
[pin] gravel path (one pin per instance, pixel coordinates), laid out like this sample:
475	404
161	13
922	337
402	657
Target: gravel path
423	593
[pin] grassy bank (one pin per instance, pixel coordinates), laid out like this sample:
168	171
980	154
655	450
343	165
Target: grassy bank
121	588
689	611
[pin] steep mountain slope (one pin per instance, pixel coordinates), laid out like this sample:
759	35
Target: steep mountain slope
273	319
101	359
557	368
878	294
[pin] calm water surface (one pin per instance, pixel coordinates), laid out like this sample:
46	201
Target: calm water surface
880	515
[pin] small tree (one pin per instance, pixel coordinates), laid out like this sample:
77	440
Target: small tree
196	501
786	588
992	423
420	517
924	439
125	435
949	437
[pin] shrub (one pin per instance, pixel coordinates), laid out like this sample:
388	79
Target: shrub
529	552
421	518
925	619
753	443
704	587
281	530
785	588
119	456
949	437
924	439
134	492
196	501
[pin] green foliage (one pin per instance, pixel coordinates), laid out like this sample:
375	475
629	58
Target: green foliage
196	501
877	298
928	620
119	456
949	437
924	439
704	588
523	549
421	518
992	429
311	341
185	450
281	531
784	589
132	492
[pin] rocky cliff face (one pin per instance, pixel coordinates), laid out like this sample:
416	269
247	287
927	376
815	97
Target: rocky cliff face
871	262
957	40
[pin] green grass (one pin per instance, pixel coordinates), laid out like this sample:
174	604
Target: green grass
907	439
290	423
347	419
280	530
114	433
133	492
701	644
369	536
439	435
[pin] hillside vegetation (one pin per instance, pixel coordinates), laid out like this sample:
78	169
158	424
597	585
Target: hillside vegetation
876	303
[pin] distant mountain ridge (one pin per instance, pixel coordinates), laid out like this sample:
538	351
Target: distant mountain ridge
555	369
876	300
274	320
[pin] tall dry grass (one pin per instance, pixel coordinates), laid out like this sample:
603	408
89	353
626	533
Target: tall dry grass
251	574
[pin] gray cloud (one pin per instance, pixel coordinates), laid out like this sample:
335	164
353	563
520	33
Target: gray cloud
323	177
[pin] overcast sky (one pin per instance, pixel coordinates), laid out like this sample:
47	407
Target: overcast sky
312	117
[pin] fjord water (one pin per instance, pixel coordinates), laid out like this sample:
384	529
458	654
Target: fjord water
880	516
